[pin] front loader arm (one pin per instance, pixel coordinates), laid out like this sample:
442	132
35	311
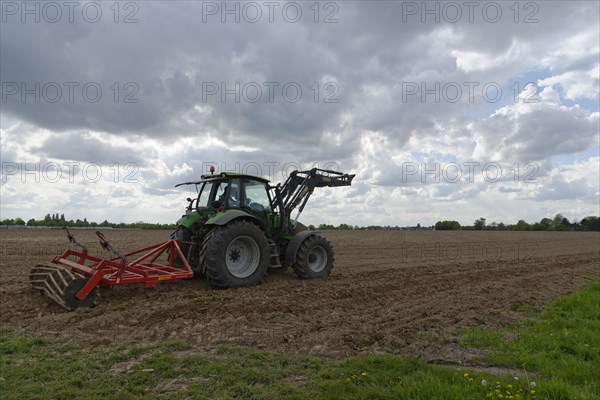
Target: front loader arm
298	187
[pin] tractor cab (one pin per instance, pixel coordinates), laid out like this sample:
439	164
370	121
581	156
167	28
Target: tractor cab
228	193
233	191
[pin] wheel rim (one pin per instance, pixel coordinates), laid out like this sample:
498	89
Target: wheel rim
317	258
242	257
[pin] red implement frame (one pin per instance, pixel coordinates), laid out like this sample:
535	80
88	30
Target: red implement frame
119	271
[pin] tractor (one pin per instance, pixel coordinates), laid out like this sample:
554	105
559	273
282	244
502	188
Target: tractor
239	227
235	230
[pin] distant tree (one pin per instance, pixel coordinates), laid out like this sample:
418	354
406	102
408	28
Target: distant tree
561	223
31	222
591	223
556	222
326	227
479	224
447	226
546	222
344	227
19	221
419	225
501	226
522	226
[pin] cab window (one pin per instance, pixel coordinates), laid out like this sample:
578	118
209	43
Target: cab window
233	193
256	197
210	192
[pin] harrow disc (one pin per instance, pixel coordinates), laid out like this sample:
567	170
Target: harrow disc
61	285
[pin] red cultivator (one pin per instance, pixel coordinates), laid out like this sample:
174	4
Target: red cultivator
72	279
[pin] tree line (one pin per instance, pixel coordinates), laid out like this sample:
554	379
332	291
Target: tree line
59	220
558	223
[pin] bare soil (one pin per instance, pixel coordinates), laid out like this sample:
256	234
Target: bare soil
401	292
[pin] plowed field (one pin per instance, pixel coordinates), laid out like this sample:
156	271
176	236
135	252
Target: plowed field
390	291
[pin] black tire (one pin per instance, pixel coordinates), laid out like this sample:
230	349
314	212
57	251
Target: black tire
183	235
235	255
187	245
72	302
314	258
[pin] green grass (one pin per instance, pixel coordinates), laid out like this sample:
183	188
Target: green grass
559	351
32	368
562	346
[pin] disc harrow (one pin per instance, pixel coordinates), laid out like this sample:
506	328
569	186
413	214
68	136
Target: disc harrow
71	280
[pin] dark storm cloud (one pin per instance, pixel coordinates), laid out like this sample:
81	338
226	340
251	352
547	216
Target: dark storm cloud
83	147
165	60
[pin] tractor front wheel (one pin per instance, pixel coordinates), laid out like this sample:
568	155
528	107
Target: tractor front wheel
314	258
235	255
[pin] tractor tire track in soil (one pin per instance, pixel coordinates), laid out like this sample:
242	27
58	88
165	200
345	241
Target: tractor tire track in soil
390	291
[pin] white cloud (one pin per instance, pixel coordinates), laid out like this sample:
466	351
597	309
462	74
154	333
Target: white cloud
535	131
577	84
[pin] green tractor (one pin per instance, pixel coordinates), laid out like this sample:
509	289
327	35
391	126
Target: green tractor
239	227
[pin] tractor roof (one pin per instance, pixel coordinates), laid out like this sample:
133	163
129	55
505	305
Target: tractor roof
223	175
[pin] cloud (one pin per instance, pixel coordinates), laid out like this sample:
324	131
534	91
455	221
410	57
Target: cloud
577	84
87	148
535	131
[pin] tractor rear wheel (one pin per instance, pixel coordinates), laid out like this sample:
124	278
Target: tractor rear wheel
314	258
235	255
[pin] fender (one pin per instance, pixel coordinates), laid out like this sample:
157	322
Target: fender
189	219
294	245
225	217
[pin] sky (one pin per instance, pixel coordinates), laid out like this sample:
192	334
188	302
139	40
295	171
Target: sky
443	110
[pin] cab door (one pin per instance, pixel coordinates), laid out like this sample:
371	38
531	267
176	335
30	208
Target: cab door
256	200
